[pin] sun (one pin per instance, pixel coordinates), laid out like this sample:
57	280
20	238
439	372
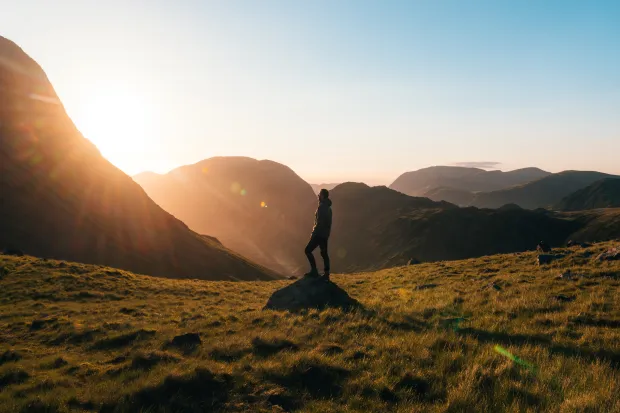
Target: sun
119	122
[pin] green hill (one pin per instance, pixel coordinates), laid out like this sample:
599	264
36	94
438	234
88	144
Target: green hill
601	194
542	193
494	334
261	209
60	198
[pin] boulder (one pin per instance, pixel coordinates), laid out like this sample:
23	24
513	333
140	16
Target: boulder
543	247
13	251
545	259
610	255
414	261
186	340
309	292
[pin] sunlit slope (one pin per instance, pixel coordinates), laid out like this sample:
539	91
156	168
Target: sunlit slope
259	208
497	334
60	198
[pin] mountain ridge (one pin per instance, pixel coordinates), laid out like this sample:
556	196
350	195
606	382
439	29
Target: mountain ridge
61	199
259	208
419	182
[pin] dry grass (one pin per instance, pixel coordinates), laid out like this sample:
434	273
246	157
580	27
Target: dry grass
78	337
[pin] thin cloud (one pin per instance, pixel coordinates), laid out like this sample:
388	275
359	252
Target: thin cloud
482	165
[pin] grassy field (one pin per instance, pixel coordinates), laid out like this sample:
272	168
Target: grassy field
493	334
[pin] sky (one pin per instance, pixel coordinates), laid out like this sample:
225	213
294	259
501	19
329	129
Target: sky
338	90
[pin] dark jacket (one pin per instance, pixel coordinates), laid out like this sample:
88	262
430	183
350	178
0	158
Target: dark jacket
323	219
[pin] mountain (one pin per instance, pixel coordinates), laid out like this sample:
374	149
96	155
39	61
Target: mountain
458	197
601	194
261	209
418	183
60	198
542	193
317	188
378	227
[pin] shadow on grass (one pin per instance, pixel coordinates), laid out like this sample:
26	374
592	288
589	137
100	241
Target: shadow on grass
201	390
613	357
589	320
123	340
266	348
317	379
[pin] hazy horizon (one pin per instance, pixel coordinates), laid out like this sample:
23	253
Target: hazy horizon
338	91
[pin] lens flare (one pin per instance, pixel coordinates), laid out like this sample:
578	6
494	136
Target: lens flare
235	187
263	204
510	356
243	192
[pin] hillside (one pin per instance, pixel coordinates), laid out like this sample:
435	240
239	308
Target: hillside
601	194
418	183
454	196
60	198
542	193
260	209
393	228
496	334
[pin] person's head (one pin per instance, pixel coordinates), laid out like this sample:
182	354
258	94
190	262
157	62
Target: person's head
324	194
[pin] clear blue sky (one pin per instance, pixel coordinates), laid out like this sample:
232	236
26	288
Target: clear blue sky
337	90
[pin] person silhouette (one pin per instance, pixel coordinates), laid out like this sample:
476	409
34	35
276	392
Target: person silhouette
320	235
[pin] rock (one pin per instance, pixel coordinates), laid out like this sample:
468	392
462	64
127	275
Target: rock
186	340
10	355
572	243
545	259
610	255
11	251
413	261
567	275
565	298
543	247
425	286
308	293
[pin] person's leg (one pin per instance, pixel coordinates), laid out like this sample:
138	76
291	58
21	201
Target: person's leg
325	255
312	244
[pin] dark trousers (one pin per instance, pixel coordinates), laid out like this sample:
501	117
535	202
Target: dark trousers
322	244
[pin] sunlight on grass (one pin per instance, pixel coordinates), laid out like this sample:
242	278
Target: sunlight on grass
490	334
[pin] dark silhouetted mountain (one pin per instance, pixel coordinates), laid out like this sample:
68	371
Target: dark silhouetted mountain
420	182
378	227
260	209
316	188
601	194
542	193
454	196
60	198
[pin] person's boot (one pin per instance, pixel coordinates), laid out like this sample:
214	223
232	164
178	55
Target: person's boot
326	276
314	273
